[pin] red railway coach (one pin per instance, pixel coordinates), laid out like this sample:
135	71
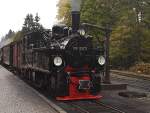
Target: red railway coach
11	55
15	58
17	47
0	56
7	55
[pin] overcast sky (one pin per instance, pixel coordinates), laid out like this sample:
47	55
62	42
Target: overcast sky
13	12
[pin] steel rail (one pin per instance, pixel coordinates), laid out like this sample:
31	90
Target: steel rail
82	110
132	81
130	74
100	104
110	107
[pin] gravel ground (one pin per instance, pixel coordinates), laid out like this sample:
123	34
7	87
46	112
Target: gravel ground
129	105
17	97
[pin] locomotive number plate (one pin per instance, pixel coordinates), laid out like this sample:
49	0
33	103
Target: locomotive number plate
80	48
84	84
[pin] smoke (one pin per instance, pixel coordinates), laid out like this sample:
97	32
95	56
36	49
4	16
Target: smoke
76	4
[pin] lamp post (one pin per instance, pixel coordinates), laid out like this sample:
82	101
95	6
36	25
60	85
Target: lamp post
107	65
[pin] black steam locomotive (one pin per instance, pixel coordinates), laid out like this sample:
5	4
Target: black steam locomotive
66	62
63	60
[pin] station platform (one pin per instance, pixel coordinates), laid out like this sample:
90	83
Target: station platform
17	97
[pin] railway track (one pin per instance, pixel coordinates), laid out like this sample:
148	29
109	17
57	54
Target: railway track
132	80
131	74
91	107
110	107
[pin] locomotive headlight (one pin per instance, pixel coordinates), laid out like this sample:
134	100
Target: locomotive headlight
81	32
58	61
101	60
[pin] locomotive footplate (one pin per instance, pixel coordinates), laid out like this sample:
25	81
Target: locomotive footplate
79	88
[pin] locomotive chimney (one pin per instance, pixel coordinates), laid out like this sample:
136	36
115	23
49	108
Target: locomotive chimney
75	14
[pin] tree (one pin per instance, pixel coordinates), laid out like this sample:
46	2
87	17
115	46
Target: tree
31	24
10	34
64	12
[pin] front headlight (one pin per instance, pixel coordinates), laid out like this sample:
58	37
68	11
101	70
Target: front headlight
81	32
58	61
101	60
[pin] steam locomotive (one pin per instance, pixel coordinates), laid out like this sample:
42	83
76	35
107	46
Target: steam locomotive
64	60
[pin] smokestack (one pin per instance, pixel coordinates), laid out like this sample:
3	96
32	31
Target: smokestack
76	4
